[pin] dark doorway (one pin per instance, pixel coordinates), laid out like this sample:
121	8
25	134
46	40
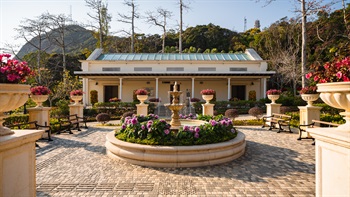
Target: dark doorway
110	92
238	92
171	89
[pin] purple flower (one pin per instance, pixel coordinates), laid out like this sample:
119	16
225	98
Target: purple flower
143	127
196	135
123	126
134	121
186	128
233	130
149	124
197	129
166	131
213	122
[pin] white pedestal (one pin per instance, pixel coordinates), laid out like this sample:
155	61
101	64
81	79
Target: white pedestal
76	109
332	161
307	114
42	115
17	168
272	108
208	109
142	109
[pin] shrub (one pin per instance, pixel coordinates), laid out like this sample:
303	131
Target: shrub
62	108
126	114
232	113
273	92
76	93
195	99
103	118
141	92
40	90
257	112
153	100
309	90
252	95
114	99
208	92
93	97
285	109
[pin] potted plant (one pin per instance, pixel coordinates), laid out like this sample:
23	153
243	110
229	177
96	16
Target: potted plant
309	94
12	93
39	94
141	95
194	100
273	95
76	96
207	95
333	83
114	100
154	100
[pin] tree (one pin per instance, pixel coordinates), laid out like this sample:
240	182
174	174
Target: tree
102	18
58	25
160	19
130	20
182	6
34	32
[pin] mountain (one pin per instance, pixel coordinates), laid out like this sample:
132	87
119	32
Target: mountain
76	39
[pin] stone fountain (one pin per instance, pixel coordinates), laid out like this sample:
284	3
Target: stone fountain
175	107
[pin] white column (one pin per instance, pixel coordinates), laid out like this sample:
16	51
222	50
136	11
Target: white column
228	88
86	90
192	95
156	87
121	88
264	88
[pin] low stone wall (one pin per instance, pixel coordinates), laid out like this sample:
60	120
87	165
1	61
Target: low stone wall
175	156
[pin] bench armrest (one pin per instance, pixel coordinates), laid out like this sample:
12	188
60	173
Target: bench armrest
306	125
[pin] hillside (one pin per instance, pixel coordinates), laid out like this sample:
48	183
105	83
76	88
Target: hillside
77	38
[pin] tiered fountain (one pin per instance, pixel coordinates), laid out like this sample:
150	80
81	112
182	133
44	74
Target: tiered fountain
175	107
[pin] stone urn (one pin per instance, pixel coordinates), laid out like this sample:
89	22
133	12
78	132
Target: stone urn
12	96
142	98
76	98
207	98
273	98
337	95
309	98
39	99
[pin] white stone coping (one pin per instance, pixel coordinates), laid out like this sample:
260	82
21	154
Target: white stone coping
175	156
19	137
331	135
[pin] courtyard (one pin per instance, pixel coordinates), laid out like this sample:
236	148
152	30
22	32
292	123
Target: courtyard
275	164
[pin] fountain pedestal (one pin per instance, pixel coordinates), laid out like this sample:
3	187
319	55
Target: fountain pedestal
208	109
175	107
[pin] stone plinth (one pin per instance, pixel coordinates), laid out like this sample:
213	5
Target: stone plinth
76	109
40	114
272	108
208	109
307	114
142	109
332	161
17	158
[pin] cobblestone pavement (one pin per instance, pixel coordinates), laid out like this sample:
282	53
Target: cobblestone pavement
275	164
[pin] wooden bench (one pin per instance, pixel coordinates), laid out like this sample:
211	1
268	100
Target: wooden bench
67	123
314	124
281	120
32	125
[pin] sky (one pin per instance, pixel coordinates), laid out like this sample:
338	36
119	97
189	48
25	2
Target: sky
228	14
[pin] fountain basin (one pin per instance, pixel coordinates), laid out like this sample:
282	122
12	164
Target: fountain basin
175	156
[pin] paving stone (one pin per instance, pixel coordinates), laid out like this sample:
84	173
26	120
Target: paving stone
275	164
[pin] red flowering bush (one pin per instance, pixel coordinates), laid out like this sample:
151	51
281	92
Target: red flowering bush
13	71
141	92
40	90
336	71
195	100
309	90
76	93
273	92
208	92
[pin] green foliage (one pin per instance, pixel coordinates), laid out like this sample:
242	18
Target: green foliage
248	122
252	95
93	97
16	119
62	108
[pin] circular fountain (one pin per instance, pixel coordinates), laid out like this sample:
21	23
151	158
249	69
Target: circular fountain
176	156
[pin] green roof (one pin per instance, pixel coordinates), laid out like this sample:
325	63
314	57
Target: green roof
175	56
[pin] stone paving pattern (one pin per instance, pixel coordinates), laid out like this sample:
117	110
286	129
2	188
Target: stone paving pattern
275	164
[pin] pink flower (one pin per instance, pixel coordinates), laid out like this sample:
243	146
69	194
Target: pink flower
316	78
339	75
308	75
196	135
166	131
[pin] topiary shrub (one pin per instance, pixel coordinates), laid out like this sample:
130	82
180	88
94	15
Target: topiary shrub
257	112
103	118
285	109
252	95
232	113
93	97
126	114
